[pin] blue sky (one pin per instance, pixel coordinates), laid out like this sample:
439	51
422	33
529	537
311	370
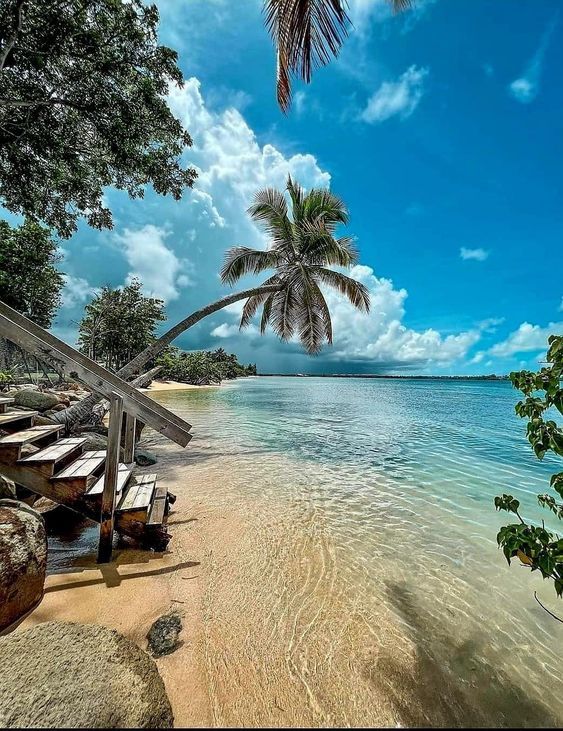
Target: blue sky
442	129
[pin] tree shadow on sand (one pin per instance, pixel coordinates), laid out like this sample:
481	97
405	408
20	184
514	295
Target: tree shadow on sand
457	688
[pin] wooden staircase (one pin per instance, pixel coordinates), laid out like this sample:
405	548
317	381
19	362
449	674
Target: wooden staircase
95	484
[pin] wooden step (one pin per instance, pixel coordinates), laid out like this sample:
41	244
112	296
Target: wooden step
14	419
123	475
84	471
11	445
5	401
55	457
158	506
138	494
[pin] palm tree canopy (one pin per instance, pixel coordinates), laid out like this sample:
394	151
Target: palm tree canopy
303	248
307	34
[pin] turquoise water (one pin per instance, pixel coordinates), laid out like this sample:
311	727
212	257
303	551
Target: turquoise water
402	475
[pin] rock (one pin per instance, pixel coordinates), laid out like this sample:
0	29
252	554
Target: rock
144	458
94	441
163	635
35	400
7	488
23	561
43	420
59	407
67	675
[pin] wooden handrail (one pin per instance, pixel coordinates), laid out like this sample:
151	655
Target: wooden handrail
37	341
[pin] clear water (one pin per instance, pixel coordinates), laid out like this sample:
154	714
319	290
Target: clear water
403	475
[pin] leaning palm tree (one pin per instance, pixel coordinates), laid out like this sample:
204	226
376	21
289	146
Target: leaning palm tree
303	249
308	34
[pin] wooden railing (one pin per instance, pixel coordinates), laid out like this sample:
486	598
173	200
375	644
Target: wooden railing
123	398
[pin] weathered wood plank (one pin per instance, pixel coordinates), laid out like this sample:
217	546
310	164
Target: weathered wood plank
158	506
56	456
129	446
36	340
84	466
110	478
139	494
15	415
5	401
123	474
32	434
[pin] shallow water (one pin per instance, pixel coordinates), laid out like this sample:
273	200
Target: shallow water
399	477
363	584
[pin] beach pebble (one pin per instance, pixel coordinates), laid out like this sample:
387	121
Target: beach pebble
163	635
67	675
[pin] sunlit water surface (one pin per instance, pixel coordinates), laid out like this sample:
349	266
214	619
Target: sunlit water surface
401	476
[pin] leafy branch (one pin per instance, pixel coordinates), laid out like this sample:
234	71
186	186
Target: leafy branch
534	545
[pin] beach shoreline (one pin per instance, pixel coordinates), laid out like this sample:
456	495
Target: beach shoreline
167	385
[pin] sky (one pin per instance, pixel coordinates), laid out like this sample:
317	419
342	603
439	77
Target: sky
442	130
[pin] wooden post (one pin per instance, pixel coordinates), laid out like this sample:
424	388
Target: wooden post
129	448
110	478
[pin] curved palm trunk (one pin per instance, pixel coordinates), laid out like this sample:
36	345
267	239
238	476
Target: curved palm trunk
81	411
135	365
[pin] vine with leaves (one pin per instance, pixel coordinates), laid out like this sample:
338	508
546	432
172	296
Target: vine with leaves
535	545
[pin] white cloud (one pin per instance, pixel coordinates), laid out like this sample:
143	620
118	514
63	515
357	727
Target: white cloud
561	305
364	13
399	97
526	338
153	262
232	164
525	88
76	291
475	254
381	337
299	102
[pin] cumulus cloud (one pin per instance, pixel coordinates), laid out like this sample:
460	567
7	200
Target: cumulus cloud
400	97
232	164
526	338
153	262
380	338
525	88
475	254
76	291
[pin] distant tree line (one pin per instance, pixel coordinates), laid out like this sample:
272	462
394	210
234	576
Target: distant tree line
202	368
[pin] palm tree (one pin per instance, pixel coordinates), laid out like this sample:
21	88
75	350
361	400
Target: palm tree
303	248
308	34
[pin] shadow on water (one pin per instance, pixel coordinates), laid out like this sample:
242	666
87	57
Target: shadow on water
450	684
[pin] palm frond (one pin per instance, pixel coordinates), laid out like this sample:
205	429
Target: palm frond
324	311
322	205
266	313
283	313
310	321
253	303
318	246
241	260
297	196
356	292
270	208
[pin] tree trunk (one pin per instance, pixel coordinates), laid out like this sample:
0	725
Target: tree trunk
135	365
82	411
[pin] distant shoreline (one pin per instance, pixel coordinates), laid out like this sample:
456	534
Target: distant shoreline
379	375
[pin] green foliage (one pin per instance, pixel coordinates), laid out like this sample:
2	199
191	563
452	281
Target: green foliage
202	368
7	377
534	545
83	87
29	279
118	324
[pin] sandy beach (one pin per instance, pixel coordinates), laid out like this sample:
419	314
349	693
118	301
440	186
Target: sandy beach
161	385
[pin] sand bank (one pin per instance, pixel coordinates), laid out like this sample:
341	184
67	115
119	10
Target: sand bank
158	385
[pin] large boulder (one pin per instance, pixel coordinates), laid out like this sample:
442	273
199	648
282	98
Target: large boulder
144	458
23	561
66	675
41	401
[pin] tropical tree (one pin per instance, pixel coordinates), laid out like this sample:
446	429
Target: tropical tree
83	87
119	323
534	545
29	280
303	248
308	34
